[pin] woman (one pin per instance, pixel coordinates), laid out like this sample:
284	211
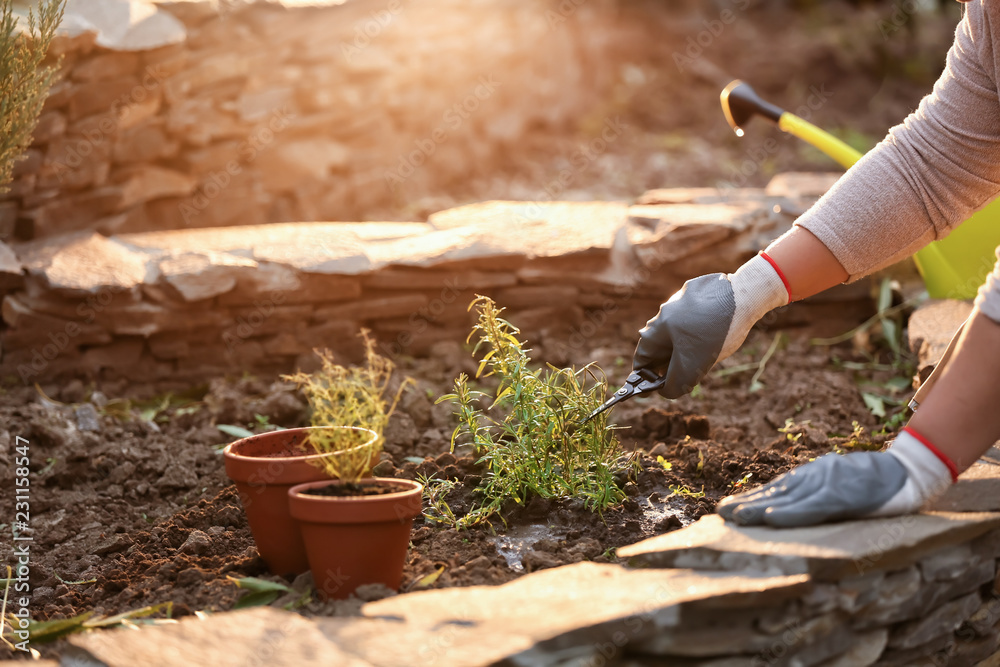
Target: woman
929	174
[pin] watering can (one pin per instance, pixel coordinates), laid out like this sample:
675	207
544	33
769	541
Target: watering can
952	268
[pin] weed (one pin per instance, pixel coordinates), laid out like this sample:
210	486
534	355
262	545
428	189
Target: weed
683	490
437	510
858	440
742	481
24	81
667	465
889	318
42	632
757	366
355	396
793	431
530	433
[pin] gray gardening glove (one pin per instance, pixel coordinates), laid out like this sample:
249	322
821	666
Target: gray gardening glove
706	321
853	486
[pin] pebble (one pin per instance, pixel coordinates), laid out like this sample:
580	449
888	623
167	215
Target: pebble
198	542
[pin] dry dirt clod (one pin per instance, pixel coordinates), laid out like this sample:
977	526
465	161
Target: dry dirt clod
198	542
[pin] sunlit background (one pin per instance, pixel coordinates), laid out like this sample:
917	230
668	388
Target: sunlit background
223	113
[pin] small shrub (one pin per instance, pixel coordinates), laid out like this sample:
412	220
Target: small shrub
530	435
349	396
24	83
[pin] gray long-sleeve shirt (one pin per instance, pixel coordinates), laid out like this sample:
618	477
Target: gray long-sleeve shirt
931	172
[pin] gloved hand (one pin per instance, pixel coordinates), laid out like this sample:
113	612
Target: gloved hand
852	486
706	321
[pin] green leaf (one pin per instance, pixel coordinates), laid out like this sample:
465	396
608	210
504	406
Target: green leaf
46	631
899	384
414	459
428	580
885	295
235	431
875	404
109	621
259	585
256	599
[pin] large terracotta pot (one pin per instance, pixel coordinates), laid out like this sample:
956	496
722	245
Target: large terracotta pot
356	540
264	467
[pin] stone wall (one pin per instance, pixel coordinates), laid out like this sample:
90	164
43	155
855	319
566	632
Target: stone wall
913	591
213	113
193	303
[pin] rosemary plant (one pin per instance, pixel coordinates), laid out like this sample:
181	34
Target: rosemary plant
349	396
24	82
530	434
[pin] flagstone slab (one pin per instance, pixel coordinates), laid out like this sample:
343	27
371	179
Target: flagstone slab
85	263
826	552
663	234
580	605
335	248
417	645
513	230
261	636
977	489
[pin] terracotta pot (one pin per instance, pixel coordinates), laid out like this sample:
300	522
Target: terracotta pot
264	467
356	540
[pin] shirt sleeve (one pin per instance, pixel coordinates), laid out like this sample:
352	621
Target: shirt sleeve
930	173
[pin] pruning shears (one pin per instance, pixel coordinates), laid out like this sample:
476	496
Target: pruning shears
639	382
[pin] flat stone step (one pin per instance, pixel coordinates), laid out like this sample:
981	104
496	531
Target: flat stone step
260	636
826	552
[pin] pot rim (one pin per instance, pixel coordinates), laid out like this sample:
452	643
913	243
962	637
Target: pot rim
228	449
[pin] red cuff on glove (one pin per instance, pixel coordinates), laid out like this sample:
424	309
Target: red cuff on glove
774	265
952	468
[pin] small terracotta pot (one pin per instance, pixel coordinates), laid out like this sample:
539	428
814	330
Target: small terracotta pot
356	540
264	467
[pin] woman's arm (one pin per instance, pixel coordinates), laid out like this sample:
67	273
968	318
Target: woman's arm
928	175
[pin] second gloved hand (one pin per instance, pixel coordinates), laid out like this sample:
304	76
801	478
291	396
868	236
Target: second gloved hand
706	321
833	487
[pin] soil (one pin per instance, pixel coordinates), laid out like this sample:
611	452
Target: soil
348	490
139	512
